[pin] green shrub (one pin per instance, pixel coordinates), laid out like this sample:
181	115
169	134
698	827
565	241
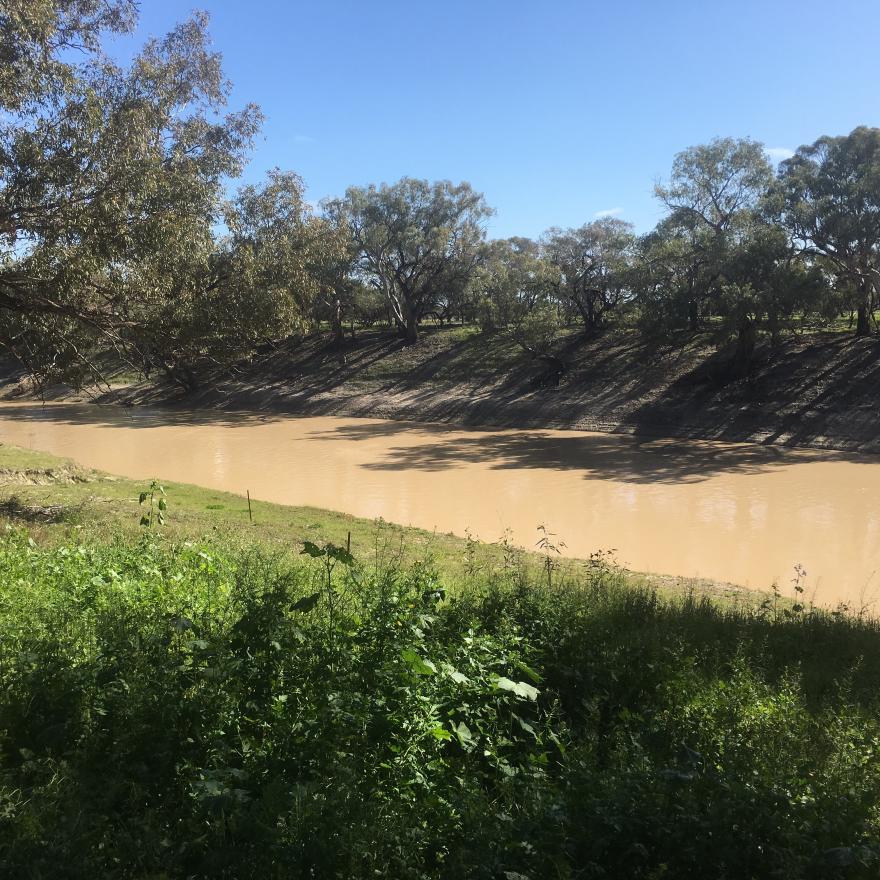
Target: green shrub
187	711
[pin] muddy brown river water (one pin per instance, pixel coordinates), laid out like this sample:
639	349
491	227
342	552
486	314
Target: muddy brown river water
739	513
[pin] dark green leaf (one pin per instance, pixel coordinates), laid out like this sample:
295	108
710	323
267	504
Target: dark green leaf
465	737
340	554
307	603
311	549
531	673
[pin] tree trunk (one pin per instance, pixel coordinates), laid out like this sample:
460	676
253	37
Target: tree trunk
183	376
336	324
746	339
863	325
774	324
587	316
693	316
411	333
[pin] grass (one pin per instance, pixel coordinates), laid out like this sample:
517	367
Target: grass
100	507
216	699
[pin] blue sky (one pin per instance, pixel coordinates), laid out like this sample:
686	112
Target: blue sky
556	110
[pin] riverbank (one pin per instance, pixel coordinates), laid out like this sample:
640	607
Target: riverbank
57	499
214	698
742	513
819	390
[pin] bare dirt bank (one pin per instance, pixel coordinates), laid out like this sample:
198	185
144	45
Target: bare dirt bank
821	390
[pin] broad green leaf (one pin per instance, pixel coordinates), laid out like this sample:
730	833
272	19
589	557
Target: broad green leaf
417	663
520	688
143	497
441	733
455	675
530	673
525	725
163	504
465	737
340	554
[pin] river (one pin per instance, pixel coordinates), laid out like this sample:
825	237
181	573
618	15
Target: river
739	513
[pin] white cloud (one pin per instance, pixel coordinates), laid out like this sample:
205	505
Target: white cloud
608	212
778	154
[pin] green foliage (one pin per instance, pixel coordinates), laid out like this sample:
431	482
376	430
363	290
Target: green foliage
511	280
713	183
109	181
28	28
157	506
591	263
538	330
828	196
186	711
417	242
116	233
260	281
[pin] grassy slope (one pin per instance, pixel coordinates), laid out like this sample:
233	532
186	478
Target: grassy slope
209	709
57	499
816	389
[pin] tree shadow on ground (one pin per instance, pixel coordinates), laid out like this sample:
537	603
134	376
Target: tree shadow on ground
596	456
794	395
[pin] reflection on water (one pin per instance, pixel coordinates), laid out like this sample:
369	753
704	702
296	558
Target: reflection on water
731	512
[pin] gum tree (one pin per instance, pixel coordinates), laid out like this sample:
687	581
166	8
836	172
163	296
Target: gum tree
711	193
592	264
829	199
512	280
110	182
415	241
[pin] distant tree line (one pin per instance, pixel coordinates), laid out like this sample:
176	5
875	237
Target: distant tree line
116	232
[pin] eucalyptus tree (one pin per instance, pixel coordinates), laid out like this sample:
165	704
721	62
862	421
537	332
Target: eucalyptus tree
110	181
766	284
713	190
715	182
340	293
512	280
592	264
39	39
674	267
829	199
415	241
262	280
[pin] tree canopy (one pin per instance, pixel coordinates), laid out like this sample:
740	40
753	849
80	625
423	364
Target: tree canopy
415	241
110	182
118	230
591	263
829	197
